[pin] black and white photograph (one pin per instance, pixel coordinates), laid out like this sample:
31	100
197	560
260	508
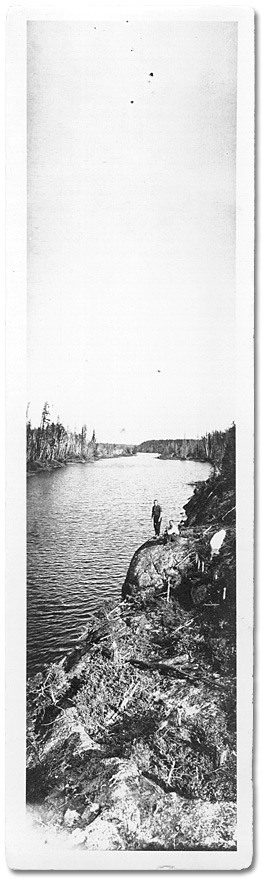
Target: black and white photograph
136	389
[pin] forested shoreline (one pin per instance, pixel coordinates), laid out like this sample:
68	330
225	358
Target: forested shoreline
51	444
210	447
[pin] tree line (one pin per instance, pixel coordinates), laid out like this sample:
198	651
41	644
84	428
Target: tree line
210	447
52	442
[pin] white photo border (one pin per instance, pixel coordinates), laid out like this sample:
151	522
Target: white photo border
23	851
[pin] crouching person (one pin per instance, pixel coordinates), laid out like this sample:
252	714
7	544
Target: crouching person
182	519
171	532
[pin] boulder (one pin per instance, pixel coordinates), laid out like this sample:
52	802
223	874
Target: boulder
142	815
155	563
103	835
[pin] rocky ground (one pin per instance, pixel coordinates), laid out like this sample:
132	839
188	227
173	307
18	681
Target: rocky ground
131	739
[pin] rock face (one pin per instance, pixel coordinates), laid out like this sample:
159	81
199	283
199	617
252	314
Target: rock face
144	759
131	744
184	569
156	563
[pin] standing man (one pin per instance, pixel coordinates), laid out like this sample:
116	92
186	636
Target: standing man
156	517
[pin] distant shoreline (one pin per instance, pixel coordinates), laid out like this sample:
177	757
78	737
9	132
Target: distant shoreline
208	450
51	446
47	466
183	458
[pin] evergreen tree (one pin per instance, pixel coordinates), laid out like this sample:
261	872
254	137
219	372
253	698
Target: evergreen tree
83	439
45	417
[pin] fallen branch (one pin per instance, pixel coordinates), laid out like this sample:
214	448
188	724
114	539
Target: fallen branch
160	782
228	511
116	608
53	698
171	773
168	670
208	530
182	627
127	697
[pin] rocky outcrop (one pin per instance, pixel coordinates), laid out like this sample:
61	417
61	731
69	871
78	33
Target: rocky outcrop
184	569
133	746
155	563
131	738
214	501
138	814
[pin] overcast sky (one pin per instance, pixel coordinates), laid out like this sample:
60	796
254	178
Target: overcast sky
131	226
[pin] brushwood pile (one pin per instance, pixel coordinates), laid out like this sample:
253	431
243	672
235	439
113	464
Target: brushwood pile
131	738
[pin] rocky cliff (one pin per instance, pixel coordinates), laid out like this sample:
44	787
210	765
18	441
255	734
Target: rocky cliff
131	739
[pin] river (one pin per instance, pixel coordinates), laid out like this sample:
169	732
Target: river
84	522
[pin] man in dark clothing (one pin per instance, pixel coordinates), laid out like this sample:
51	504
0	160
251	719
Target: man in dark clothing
156	517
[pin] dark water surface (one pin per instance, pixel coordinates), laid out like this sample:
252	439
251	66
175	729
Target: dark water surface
84	522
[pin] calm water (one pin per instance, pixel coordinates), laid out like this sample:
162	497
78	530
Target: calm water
84	522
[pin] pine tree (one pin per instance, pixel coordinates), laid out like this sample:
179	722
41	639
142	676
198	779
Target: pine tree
45	417
83	439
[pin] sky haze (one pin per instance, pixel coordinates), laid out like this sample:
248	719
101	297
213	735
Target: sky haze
131	226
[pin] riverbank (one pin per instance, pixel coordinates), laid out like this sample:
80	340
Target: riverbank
131	738
39	466
209	448
174	457
44	466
